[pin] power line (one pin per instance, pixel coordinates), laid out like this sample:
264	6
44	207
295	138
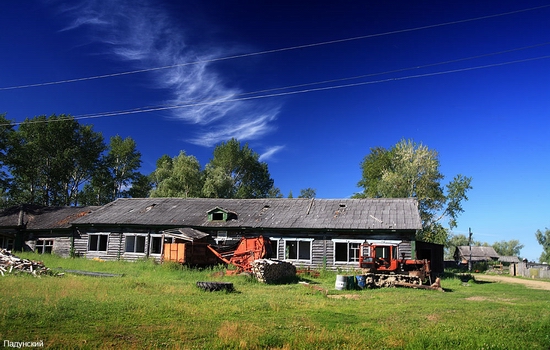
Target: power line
330	42
287	93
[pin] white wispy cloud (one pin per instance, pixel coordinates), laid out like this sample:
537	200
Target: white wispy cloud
143	33
270	152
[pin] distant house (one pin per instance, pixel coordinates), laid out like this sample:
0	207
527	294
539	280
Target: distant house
478	254
508	259
306	232
38	228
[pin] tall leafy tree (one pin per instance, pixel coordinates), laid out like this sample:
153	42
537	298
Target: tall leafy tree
115	173
99	190
141	187
236	172
544	240
123	161
6	136
180	176
411	170
52	157
508	248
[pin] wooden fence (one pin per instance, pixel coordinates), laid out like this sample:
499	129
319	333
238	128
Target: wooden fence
530	270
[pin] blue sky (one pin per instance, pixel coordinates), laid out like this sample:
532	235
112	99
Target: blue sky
310	85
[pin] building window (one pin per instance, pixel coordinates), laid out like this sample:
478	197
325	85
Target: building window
298	250
156	244
346	251
6	242
44	246
135	244
274	248
97	242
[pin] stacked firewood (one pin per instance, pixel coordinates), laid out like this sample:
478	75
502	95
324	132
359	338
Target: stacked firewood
10	263
272	271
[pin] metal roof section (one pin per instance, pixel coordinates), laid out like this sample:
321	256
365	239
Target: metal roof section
36	217
185	233
291	213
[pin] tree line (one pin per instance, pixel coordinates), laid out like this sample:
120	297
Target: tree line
56	161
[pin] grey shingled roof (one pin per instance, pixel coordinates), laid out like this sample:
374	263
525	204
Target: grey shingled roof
37	217
396	213
478	253
509	259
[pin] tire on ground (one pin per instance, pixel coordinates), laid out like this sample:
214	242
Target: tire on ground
215	286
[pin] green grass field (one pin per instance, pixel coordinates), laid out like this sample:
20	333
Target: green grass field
159	306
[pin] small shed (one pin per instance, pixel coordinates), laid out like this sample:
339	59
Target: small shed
478	254
187	246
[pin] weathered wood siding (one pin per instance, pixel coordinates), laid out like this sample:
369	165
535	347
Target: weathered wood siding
116	245
322	247
62	246
61	242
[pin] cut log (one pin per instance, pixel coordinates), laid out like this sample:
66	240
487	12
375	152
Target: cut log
272	271
10	263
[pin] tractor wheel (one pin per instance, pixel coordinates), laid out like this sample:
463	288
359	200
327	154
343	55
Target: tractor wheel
215	286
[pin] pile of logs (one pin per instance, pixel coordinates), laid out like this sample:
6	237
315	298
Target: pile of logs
272	271
10	263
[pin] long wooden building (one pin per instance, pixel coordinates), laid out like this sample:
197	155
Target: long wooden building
307	232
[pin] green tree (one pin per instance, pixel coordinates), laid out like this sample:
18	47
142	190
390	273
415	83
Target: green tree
141	187
51	158
544	240
236	172
307	193
177	177
99	190
412	170
275	192
454	241
115	173
6	136
508	248
123	160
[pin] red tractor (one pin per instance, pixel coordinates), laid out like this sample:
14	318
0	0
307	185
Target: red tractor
383	268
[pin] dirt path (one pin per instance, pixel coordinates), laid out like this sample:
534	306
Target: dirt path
535	284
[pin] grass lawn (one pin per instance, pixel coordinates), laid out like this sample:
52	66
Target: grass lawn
159	306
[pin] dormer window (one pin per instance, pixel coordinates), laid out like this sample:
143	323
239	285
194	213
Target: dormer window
220	214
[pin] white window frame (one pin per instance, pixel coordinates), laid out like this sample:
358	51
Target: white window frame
151	236
276	252
221	236
347	242
42	244
135	236
7	243
298	240
99	234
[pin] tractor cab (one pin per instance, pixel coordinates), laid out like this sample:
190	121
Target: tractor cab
379	257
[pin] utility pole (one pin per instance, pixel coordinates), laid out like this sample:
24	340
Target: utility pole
470	244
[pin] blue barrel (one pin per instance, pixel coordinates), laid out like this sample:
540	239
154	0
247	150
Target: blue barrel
341	282
361	281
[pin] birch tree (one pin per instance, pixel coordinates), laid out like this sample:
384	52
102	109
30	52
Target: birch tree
411	170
